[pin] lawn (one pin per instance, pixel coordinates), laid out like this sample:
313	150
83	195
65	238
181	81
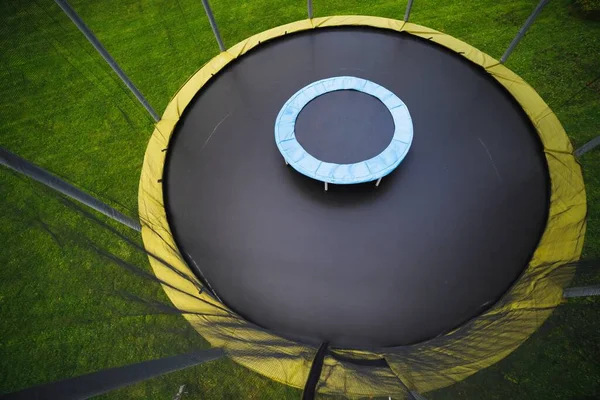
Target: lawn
63	108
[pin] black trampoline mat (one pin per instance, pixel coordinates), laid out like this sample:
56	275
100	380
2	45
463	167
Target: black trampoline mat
442	238
344	127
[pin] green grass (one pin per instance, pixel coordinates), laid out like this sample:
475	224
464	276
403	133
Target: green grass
63	108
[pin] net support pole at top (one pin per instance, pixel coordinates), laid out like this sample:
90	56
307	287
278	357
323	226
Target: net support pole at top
408	8
39	174
523	30
309	8
89	35
213	24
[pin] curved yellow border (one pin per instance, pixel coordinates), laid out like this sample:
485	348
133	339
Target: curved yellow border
422	367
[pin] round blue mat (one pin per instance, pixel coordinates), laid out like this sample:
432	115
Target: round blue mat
363	171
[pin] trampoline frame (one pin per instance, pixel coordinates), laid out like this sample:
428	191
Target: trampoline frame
422	367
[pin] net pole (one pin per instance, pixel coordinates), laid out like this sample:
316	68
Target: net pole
408	8
105	381
89	35
584	291
309	7
39	174
588	146
213	24
523	30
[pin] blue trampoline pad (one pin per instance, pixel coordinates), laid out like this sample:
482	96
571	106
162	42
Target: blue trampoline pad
364	171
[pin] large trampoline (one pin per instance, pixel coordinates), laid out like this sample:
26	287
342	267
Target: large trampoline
435	271
438	243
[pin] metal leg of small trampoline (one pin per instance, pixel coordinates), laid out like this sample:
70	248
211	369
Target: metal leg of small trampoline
327	185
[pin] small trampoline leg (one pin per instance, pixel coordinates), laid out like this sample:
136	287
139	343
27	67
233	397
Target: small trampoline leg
378	181
325	186
286	163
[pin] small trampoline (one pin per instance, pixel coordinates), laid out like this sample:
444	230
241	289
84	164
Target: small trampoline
352	138
434	261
